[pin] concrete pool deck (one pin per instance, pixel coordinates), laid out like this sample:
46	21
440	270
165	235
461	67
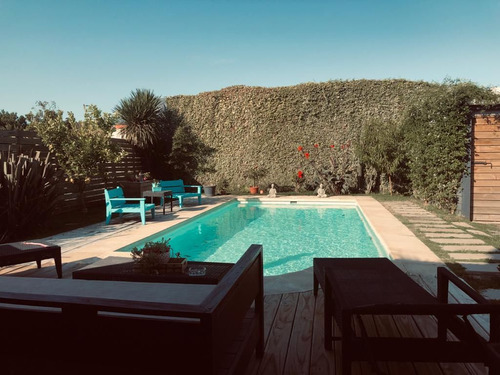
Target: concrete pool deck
87	245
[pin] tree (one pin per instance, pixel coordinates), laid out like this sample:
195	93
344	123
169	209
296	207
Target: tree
10	121
143	113
381	147
81	148
189	154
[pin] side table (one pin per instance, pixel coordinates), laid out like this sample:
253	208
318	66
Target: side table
160	194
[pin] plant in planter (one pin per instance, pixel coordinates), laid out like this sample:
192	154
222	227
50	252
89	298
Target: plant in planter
223	186
255	173
152	256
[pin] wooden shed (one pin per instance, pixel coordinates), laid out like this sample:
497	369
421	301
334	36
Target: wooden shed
481	190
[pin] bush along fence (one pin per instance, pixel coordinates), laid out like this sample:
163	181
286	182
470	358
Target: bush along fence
28	143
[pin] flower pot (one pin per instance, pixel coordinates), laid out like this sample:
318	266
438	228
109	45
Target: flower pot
209	190
135	189
254	189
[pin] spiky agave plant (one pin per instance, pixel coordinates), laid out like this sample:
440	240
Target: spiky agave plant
142	112
28	193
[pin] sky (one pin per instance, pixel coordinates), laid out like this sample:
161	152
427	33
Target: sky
80	52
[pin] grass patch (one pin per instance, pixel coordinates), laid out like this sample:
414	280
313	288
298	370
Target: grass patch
491	237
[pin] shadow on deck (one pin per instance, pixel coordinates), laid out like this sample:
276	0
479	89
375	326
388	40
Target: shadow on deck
294	341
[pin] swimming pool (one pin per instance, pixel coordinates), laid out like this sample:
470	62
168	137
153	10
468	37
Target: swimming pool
292	234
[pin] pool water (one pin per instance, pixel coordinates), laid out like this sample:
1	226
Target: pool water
292	235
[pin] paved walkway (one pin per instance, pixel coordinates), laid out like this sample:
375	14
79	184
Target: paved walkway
462	243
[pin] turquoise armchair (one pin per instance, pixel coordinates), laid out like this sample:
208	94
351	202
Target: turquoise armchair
179	190
117	203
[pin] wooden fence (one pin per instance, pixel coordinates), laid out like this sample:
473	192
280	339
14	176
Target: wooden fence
27	142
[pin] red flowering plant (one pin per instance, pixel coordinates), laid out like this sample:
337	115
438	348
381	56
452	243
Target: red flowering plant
299	180
330	165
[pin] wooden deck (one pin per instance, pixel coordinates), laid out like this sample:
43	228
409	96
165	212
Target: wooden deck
294	334
294	341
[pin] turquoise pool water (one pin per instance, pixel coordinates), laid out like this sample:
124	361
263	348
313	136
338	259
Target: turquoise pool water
292	235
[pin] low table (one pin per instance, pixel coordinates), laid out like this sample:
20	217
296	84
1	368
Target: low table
160	194
22	252
122	269
352	285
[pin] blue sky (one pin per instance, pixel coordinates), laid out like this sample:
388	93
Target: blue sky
79	52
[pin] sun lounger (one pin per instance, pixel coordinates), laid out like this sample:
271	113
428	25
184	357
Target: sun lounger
30	251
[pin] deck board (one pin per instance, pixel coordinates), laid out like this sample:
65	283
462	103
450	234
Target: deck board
276	348
299	353
322	361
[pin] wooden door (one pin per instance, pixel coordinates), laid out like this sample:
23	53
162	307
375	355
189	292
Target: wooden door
485	205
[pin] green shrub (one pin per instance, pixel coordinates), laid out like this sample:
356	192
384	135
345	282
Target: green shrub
331	165
380	146
189	157
28	193
81	148
437	140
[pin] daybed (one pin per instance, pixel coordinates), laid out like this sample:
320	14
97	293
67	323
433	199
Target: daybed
93	327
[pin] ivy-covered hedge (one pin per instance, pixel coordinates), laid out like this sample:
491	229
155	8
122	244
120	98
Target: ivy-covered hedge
437	140
256	126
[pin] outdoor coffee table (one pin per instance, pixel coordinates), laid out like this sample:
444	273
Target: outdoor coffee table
160	194
122	269
22	252
371	286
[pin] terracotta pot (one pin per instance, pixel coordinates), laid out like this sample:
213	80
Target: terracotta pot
254	189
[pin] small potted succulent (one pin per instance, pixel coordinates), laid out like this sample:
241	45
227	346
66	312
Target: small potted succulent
156	257
152	256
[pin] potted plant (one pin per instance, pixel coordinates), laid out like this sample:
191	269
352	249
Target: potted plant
152	256
224	185
209	190
136	184
255	173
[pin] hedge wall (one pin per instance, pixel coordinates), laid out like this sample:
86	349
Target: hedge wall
251	126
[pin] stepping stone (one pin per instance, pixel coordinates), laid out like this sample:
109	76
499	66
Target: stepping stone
470	248
427	221
427	225
450	235
442	230
481	268
462	224
451	241
474	257
420	218
478	232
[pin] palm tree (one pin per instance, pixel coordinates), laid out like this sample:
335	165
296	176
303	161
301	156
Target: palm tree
142	112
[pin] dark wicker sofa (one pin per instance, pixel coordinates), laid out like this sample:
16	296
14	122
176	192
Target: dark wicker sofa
80	326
